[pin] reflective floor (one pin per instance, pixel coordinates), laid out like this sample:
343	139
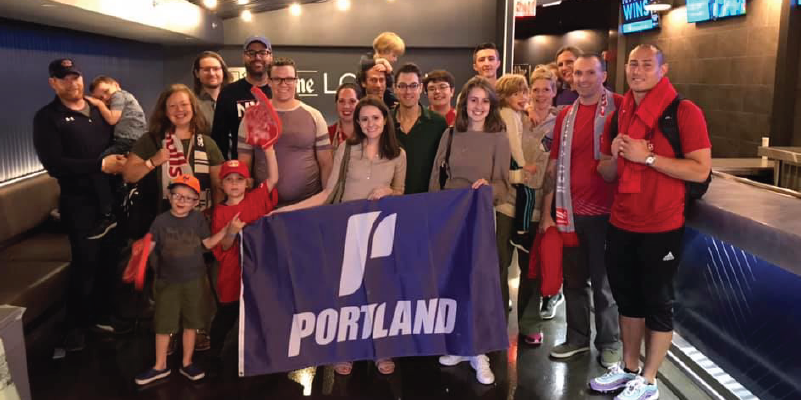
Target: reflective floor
105	370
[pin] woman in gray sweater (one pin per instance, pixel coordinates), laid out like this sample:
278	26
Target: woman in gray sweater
479	155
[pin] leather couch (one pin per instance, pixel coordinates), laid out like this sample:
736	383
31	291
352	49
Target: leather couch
34	253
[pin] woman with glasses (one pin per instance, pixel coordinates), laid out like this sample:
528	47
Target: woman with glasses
479	155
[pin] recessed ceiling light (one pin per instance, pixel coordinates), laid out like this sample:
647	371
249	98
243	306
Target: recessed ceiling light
246	16
242	2
294	9
210	4
343	5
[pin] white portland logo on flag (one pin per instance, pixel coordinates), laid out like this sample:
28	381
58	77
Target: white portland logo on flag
375	320
357	243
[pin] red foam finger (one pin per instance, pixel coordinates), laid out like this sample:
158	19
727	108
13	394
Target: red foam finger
263	126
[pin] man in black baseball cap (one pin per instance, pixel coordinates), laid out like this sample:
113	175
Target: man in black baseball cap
62	67
69	135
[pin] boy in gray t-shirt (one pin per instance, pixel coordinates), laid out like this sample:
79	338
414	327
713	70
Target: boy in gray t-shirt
121	109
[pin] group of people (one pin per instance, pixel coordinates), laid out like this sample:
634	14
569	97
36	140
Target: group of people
543	143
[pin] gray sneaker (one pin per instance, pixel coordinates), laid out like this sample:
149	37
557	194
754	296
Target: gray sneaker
567	350
610	357
613	380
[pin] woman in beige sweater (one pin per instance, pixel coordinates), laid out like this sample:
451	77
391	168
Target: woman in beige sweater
479	155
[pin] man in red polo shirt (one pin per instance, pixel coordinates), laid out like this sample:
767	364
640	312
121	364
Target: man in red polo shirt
583	202
644	240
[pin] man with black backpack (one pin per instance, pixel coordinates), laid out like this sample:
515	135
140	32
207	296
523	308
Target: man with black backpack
656	147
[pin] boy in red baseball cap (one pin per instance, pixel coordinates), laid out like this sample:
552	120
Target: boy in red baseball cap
181	236
250	206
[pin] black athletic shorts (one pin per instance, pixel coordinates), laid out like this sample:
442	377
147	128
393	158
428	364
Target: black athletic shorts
641	267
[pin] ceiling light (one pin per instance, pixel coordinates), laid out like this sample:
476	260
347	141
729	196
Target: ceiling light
242	2
246	16
555	3
658	5
210	4
343	5
294	9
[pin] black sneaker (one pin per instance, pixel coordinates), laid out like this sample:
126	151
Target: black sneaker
75	340
202	341
114	325
151	375
550	304
193	372
103	227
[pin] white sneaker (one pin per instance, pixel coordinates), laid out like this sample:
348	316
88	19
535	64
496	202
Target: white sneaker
639	389
484	374
450	361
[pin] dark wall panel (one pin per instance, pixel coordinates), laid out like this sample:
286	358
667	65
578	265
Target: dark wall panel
25	51
321	68
727	67
541	49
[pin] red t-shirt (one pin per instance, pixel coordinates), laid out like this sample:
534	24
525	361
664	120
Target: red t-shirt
450	117
590	193
256	204
659	207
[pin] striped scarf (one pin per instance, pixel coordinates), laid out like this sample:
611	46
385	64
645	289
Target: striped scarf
178	164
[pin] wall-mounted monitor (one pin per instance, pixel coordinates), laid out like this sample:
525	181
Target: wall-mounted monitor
710	10
636	18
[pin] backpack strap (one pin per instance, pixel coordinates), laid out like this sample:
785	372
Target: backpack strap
613	127
669	125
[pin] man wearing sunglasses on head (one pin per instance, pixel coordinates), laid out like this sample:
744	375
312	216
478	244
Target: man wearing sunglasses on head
234	99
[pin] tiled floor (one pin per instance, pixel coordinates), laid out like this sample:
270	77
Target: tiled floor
105	370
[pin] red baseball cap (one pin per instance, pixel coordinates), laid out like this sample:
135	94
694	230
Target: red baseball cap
234	167
186	180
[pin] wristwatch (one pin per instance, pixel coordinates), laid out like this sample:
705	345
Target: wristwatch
649	161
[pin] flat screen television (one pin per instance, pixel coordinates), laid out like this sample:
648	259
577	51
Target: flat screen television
710	10
636	18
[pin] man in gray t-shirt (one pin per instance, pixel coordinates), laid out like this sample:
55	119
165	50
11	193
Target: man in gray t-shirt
121	109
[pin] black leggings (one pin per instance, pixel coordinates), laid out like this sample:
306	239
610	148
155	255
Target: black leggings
226	318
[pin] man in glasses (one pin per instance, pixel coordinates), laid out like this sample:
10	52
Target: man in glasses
440	88
211	75
419	129
304	149
234	99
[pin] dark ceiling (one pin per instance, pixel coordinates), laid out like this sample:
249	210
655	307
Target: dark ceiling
230	8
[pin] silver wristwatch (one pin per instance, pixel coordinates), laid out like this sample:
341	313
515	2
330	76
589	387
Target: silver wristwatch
649	161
